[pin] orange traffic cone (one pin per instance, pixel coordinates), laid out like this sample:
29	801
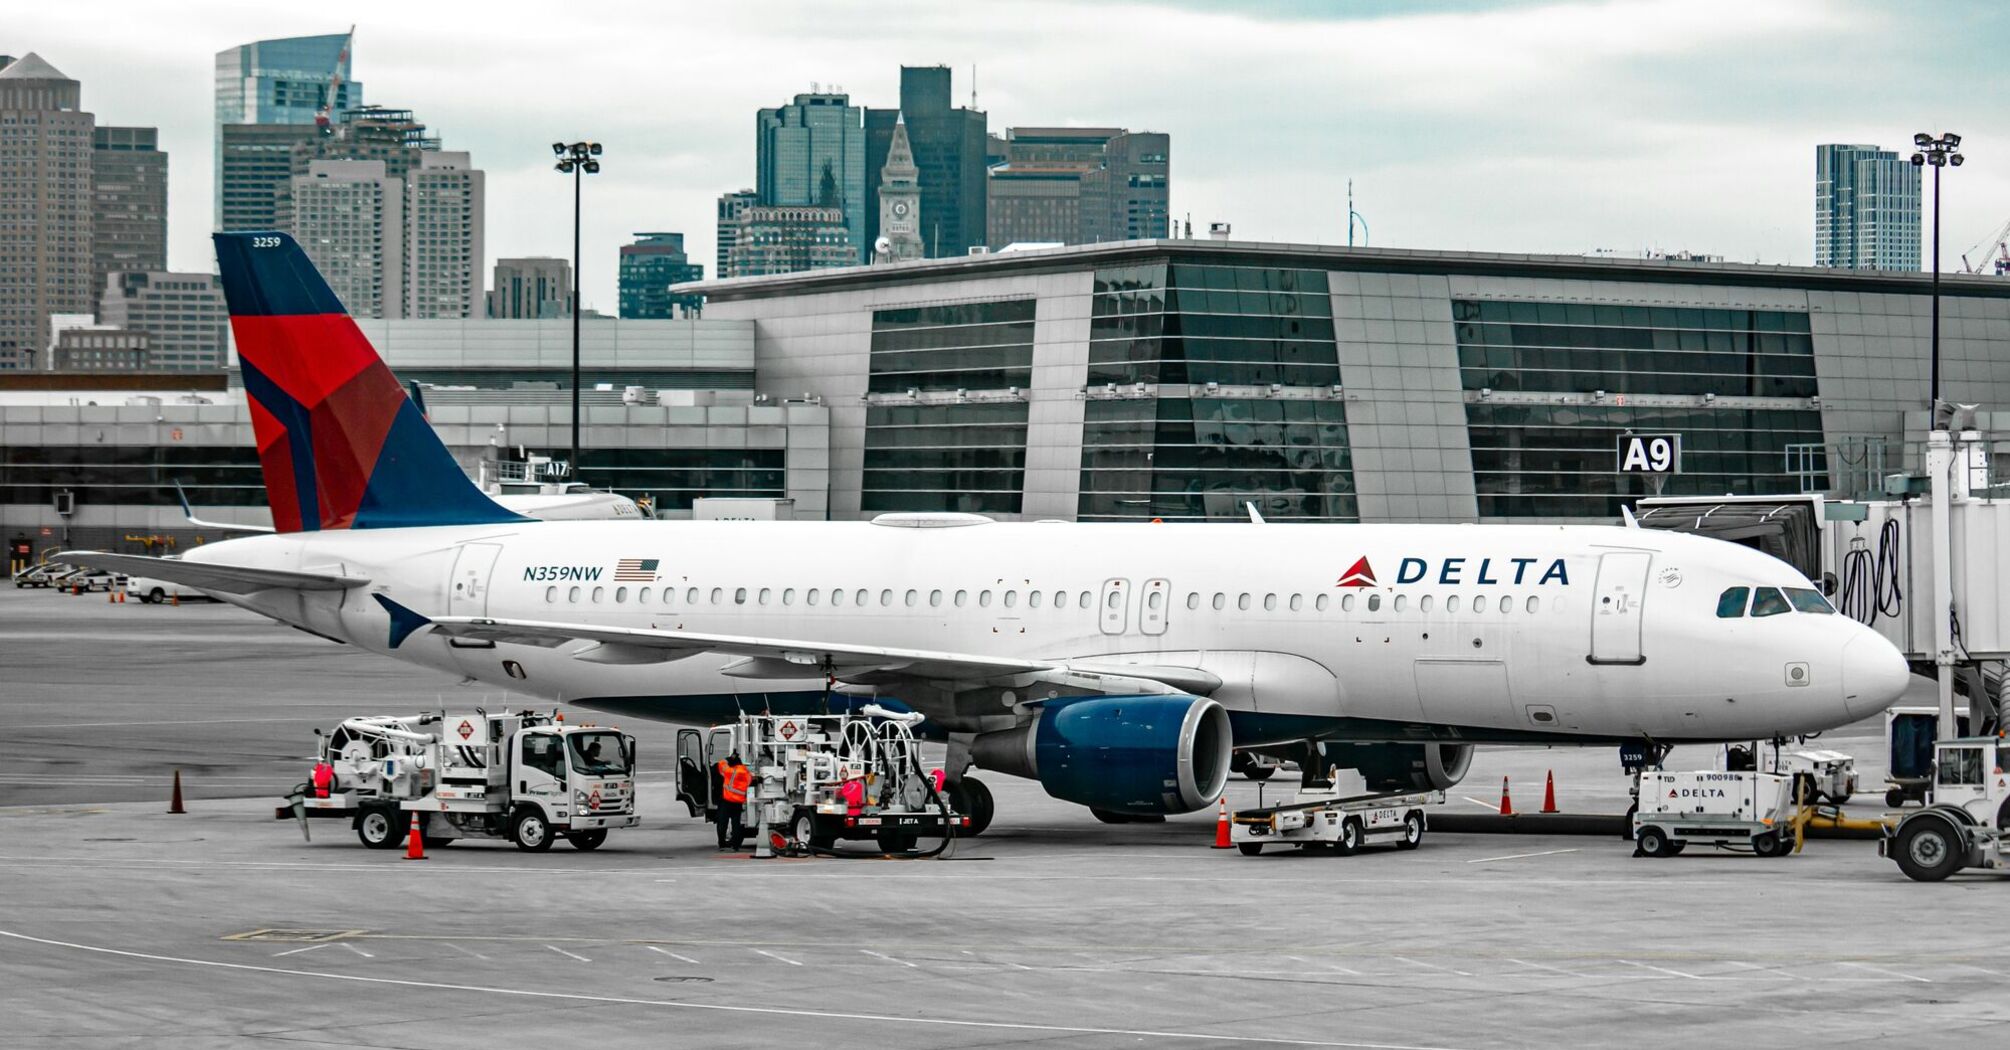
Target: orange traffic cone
175	600
415	841
1221	825
174	803
1549	793
112	596
1507	808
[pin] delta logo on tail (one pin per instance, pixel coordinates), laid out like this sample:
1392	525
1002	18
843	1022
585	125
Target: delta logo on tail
1456	572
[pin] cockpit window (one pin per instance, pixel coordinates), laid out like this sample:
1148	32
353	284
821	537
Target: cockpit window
1809	600
1731	603
1768	601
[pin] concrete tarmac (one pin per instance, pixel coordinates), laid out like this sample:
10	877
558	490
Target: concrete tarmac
126	927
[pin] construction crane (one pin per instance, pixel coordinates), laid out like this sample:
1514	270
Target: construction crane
323	117
1993	252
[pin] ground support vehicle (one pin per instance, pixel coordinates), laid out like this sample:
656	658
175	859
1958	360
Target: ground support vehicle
1909	733
153	592
1341	816
799	763
523	776
1725	808
1967	813
1818	775
43	575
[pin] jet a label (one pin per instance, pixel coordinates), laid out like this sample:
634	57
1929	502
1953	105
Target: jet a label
1483	572
561	573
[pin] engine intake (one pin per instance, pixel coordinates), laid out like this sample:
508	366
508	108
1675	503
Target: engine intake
1403	767
1143	755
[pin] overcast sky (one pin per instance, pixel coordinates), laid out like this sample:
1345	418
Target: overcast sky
1526	127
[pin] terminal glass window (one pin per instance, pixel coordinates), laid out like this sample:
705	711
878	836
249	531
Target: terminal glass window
1191	323
1537	458
1197	458
955	457
672	477
960	346
131	475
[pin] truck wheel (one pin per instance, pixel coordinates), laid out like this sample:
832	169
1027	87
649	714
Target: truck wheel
1841	799
1249	849
1654	842
1804	789
587	839
804	831
1770	844
971	797
894	840
530	831
1928	849
156	596
1350	838
1894	798
380	828
1413	831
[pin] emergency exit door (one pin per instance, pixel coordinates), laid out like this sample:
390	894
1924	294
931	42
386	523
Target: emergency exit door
1113	609
1616	603
1157	597
468	593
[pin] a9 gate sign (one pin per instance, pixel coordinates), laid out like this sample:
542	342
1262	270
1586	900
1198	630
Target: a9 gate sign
1650	453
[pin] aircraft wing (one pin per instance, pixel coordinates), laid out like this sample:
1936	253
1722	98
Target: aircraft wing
209	576
796	658
226	526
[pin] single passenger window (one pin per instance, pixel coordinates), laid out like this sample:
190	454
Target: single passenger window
1242	602
983	599
1270	603
886	597
1507	604
1731	603
766	594
1452	603
1192	600
642	596
1220	601
551	594
1115	600
1768	601
1153	600
811	597
1347	603
1402	602
1809	600
718	595
788	596
1374	602
961	597
739	596
1533	603
1424	604
1060	599
620	594
912	597
1087	602
934	599
599	595
572	594
1297	602
1319	603
691	596
861	598
837	597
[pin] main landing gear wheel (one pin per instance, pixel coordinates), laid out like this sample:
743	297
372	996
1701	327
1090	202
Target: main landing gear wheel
380	828
1928	850
1413	832
971	797
530	831
587	839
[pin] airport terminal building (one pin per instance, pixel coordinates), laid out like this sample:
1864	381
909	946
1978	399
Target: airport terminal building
1168	379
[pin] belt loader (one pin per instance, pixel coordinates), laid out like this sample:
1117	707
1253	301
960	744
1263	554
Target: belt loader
1339	814
523	776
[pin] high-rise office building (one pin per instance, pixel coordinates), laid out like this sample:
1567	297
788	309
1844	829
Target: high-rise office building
535	287
771	240
128	203
900	213
183	315
731	206
443	237
45	205
255	172
1866	209
950	146
349	217
100	348
1079	186
648	268
812	152
280	82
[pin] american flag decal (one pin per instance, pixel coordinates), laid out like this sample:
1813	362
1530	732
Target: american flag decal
635	570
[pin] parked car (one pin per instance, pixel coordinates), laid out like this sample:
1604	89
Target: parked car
154	591
91	580
44	575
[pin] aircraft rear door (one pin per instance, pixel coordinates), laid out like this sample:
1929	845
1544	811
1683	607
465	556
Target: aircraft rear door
469	593
1616	607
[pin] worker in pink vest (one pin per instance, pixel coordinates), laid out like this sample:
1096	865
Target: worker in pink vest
852	793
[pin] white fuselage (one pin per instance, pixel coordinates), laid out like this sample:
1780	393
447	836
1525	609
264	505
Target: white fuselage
1453	632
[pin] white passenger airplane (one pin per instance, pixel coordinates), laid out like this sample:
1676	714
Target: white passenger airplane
1115	664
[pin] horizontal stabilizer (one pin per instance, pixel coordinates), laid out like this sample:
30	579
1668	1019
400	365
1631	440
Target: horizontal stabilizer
209	576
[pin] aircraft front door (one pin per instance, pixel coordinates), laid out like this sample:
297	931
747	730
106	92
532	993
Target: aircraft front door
1114	609
468	595
1616	607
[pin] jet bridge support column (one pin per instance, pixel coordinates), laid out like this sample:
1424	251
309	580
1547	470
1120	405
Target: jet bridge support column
1939	476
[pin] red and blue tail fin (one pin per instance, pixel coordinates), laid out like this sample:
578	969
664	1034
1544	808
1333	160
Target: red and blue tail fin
341	444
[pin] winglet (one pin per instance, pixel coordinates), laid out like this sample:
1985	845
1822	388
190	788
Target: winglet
1254	517
1627	513
403	621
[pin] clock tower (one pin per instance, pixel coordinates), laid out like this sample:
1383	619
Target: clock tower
899	202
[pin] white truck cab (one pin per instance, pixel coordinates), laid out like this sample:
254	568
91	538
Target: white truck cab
1966	815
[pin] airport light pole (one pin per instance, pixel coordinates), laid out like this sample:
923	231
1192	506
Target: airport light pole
577	159
1939	153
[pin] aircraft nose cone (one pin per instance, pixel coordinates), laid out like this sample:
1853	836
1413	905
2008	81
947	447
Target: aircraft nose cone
1874	674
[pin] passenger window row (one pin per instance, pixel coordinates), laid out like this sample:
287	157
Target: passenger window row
1427	603
838	597
1771	601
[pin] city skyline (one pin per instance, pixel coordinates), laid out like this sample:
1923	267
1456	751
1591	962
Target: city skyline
1560	127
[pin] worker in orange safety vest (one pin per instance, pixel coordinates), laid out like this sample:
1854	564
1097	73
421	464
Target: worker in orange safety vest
734	778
